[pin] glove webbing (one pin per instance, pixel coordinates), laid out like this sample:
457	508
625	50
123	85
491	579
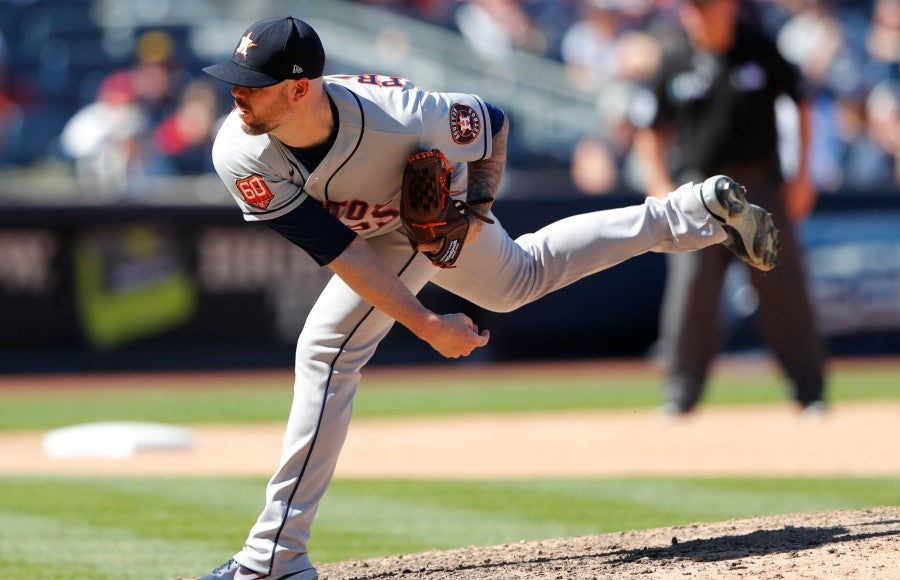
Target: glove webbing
461	205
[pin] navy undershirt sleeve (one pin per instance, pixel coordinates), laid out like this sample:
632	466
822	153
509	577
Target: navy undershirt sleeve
497	115
315	229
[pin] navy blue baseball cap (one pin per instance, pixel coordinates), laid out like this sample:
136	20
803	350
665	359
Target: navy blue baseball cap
271	51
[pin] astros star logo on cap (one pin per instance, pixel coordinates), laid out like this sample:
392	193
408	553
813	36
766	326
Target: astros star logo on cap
271	51
245	45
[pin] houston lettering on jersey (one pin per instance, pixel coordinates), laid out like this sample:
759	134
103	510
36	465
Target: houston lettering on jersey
360	215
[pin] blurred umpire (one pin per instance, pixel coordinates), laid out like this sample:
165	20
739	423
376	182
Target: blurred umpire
712	111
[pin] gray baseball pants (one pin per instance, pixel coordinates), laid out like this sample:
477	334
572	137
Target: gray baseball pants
496	273
690	326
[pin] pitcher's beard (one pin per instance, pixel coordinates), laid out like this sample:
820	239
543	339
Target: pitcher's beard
254	128
250	123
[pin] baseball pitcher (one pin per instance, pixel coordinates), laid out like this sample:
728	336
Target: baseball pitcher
391	186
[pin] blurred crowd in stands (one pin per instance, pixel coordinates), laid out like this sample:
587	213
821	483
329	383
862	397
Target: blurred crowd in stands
848	50
67	99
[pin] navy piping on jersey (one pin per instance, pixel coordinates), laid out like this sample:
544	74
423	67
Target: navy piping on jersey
315	438
295	166
293	198
362	131
497	116
484	115
311	157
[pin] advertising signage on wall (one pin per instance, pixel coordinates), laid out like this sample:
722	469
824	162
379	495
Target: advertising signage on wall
854	269
157	287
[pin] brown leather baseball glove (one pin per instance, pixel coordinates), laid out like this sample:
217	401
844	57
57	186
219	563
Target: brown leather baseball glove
428	212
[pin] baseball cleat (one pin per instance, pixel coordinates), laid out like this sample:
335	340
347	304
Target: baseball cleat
752	236
232	570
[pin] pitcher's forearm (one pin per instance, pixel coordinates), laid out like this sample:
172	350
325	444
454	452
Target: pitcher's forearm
363	271
486	175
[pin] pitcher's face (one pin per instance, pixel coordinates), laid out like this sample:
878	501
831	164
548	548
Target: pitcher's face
261	110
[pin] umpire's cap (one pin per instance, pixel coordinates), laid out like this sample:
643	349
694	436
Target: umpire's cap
271	51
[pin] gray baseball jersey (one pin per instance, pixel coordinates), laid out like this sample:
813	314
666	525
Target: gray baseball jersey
382	120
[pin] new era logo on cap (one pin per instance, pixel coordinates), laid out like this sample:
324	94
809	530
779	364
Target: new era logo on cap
270	51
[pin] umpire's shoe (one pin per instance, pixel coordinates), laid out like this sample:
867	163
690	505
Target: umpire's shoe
752	235
231	570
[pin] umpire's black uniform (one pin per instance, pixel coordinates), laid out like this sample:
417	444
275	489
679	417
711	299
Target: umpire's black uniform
719	111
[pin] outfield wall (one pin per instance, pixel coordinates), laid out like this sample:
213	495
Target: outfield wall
167	287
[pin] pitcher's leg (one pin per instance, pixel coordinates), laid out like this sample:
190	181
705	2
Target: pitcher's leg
502	274
339	337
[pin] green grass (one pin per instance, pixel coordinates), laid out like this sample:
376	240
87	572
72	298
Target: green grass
388	517
267	398
144	528
158	528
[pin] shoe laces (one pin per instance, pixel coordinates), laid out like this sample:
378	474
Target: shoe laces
224	567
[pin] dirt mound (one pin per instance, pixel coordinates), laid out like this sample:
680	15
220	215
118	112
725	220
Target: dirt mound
861	544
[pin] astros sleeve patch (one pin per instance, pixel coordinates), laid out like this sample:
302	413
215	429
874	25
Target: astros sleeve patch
458	125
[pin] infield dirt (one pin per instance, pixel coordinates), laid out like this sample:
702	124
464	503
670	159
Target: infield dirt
821	546
852	439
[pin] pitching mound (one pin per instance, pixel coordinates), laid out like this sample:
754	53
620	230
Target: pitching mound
846	544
